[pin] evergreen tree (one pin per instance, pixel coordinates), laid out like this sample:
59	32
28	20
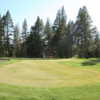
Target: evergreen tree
8	33
48	31
1	38
69	40
47	38
24	30
59	29
84	33
97	45
60	40
16	42
24	37
34	41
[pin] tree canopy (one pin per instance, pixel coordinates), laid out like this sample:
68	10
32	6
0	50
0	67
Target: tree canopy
62	39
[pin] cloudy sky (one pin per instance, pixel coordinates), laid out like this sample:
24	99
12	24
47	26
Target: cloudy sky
30	9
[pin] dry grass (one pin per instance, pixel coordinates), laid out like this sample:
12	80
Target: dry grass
47	73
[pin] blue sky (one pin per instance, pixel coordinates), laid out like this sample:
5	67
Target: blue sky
30	9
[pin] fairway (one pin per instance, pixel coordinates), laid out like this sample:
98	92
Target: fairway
48	75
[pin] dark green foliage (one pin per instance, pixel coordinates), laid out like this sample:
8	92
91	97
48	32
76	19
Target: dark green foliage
24	37
1	38
59	29
69	40
60	40
48	34
84	33
16	42
34	41
8	32
97	46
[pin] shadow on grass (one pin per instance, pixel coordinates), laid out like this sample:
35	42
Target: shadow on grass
91	62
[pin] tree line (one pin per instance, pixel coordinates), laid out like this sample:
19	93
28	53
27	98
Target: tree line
62	39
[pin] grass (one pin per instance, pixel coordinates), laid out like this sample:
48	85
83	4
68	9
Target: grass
87	92
93	63
7	62
61	79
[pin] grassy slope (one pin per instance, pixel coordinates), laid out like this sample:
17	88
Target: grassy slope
72	79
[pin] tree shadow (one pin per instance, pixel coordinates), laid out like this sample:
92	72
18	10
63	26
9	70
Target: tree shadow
91	62
4	59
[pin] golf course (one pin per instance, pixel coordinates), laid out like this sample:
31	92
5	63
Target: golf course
49	50
50	79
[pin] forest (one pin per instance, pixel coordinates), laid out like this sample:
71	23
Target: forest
61	39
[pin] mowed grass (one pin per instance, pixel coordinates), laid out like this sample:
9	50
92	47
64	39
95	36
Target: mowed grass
61	79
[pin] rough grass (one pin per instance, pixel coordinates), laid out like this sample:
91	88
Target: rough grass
88	92
66	79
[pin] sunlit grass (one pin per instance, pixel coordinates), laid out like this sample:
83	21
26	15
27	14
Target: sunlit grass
53	79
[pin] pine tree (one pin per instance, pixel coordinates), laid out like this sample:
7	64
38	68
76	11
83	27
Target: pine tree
34	41
47	38
24	37
59	29
97	45
24	30
84	33
16	42
69	39
8	33
1	38
48	30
